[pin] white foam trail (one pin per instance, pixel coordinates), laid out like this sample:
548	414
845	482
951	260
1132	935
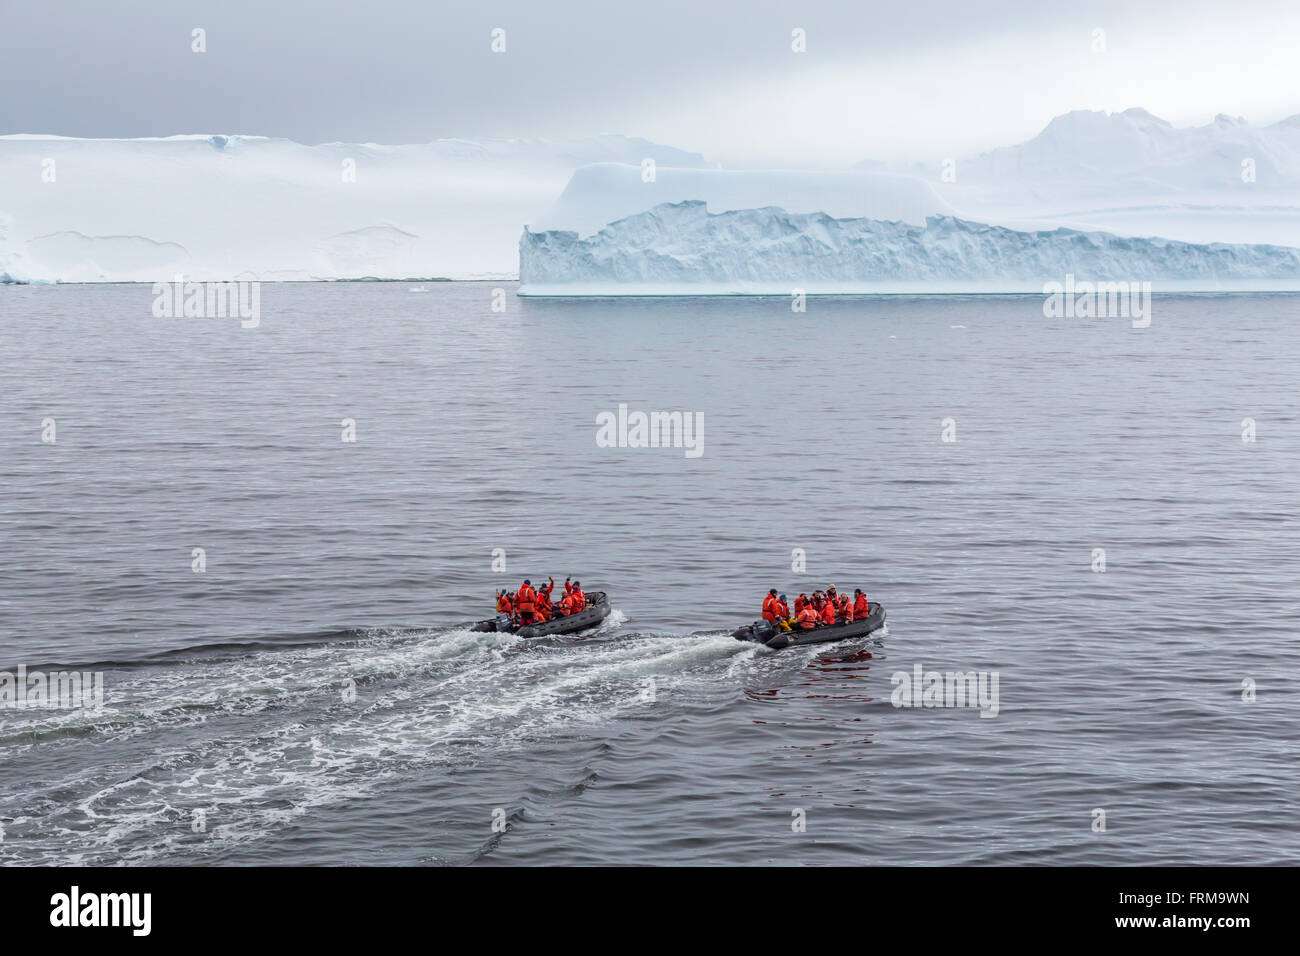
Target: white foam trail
264	738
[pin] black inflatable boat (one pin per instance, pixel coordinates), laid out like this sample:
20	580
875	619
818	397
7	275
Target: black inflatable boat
767	633
597	610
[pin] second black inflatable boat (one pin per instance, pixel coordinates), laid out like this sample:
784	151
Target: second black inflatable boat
767	633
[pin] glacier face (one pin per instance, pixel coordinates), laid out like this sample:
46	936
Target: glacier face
683	248
248	207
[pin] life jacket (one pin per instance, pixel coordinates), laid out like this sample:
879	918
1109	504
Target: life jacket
799	602
503	604
781	610
861	608
807	617
579	599
769	608
846	612
525	599
828	613
544	612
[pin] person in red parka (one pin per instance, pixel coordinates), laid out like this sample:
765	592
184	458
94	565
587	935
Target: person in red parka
861	608
545	609
526	603
828	612
769	605
807	618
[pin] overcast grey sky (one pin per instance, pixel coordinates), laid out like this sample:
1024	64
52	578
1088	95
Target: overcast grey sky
896	79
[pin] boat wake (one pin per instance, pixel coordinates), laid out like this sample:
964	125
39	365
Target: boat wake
249	738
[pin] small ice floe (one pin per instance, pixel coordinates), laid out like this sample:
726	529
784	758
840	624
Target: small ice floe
956	326
417	288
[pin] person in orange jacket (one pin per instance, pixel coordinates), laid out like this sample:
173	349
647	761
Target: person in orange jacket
781	609
799	603
545	610
526	603
580	599
845	609
807	617
828	612
769	605
504	604
569	603
861	607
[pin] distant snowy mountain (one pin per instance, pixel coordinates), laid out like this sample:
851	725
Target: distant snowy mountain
1134	149
683	248
1136	174
224	207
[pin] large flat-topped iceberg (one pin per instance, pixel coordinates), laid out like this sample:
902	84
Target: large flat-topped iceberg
603	192
249	207
684	249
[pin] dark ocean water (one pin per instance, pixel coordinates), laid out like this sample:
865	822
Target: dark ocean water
333	564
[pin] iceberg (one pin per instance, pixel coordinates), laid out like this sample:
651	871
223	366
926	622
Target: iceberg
685	249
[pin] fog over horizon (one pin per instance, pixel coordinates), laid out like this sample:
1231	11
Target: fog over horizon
936	78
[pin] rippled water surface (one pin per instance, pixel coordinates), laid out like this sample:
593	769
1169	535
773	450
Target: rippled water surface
334	565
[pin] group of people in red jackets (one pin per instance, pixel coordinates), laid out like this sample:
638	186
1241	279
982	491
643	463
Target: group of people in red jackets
530	605
820	610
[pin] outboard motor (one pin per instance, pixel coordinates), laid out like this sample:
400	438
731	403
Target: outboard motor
503	622
764	631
